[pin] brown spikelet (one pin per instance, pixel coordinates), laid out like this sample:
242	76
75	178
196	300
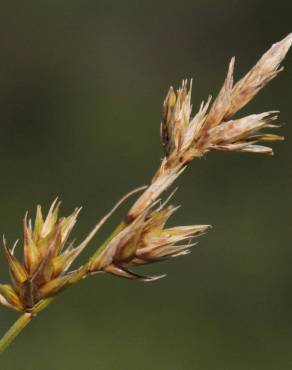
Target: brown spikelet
259	76
222	103
17	270
144	241
11	297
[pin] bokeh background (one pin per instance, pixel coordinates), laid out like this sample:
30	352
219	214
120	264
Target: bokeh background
81	88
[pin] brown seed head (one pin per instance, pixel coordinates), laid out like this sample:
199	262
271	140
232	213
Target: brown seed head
46	259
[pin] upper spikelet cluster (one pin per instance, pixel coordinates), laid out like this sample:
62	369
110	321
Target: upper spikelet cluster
185	136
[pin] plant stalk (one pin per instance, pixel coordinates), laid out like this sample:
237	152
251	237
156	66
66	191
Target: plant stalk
21	323
14	330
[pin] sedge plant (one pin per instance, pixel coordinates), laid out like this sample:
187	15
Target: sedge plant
142	237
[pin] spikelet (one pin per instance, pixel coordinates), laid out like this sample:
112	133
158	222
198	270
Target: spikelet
144	241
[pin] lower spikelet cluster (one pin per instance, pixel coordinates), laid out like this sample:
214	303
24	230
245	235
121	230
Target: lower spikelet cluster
48	255
46	259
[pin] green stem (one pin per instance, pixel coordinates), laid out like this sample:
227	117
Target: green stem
15	329
21	323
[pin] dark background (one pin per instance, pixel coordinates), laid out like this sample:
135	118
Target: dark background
81	88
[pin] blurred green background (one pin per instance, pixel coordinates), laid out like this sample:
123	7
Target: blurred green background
82	83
